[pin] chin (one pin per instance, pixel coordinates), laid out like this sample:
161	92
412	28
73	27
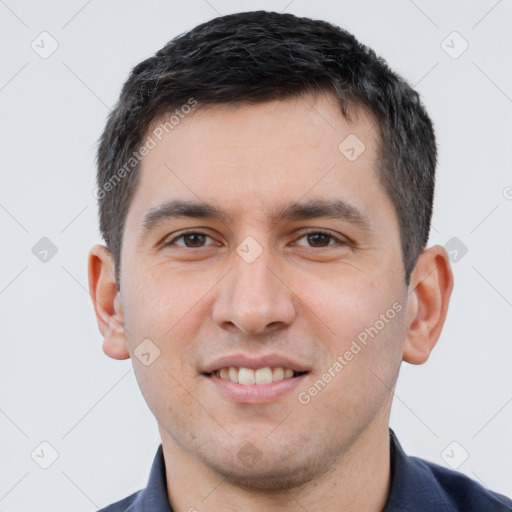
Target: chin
267	469
271	479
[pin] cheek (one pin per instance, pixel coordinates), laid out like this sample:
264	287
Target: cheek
168	311
163	301
168	394
351	307
361	335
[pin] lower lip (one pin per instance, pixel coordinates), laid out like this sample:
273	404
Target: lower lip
255	393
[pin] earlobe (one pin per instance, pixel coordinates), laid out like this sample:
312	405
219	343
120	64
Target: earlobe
107	302
429	297
114	342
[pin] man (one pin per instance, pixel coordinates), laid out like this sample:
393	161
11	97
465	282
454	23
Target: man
265	186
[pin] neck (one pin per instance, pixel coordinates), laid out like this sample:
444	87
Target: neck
359	480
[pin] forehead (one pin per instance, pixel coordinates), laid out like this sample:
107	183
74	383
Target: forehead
254	158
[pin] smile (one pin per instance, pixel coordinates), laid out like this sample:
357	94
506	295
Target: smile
249	376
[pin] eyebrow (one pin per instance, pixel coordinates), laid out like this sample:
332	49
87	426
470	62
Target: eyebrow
335	209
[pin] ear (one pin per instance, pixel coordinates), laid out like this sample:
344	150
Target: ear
106	300
429	295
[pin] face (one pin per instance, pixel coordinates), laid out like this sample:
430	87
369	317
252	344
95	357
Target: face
285	262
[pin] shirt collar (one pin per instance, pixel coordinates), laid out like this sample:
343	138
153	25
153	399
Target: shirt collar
154	497
410	485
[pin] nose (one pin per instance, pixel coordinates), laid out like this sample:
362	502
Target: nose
254	297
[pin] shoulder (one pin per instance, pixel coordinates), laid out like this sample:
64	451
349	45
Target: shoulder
458	491
417	484
124	505
153	497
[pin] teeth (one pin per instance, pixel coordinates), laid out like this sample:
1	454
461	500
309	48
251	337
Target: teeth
248	376
263	376
233	374
277	373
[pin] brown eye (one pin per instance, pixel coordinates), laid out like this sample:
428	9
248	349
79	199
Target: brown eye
320	239
192	239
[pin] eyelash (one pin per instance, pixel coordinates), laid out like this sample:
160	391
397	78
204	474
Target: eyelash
306	233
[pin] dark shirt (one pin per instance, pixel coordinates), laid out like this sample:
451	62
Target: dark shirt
416	486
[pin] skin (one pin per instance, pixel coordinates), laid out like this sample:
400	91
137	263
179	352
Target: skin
306	297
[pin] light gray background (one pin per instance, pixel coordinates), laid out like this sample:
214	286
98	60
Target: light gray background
56	385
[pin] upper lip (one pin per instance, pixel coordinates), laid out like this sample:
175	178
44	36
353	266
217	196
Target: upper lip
253	362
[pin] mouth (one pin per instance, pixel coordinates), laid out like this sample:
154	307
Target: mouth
261	381
250	379
255	377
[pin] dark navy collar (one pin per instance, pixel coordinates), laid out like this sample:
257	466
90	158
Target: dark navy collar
154	497
419	485
411	486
